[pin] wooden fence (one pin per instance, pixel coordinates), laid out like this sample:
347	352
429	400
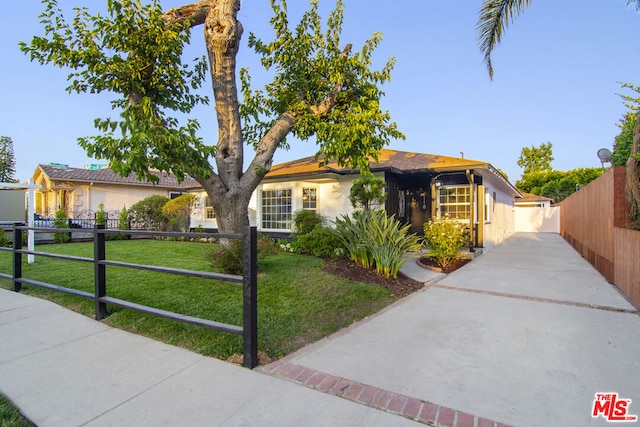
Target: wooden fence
593	221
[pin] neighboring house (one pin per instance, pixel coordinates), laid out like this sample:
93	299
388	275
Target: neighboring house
80	191
418	186
535	213
529	200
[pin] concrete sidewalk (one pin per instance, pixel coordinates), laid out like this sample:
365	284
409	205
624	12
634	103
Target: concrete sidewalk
63	369
524	335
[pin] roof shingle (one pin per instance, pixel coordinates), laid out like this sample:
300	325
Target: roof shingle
106	175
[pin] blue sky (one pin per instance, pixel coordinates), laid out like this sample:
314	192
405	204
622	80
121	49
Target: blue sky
556	80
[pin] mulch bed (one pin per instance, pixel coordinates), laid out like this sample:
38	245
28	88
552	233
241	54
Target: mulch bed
346	268
430	264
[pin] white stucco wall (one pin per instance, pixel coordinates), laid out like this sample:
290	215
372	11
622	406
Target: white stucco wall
332	196
114	197
502	222
538	220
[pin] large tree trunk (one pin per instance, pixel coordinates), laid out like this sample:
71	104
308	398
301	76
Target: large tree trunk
230	188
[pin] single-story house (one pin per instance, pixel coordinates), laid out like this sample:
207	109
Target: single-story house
418	186
80	191
529	200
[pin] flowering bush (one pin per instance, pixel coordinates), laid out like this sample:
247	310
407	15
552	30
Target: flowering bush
445	239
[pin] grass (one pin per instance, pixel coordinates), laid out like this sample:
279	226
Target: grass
10	416
298	302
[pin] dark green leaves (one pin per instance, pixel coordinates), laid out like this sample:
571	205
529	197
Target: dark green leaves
334	94
134	54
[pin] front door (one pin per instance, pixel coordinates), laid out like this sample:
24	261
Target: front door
419	209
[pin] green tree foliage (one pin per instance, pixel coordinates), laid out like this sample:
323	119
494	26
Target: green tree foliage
536	159
557	185
179	211
367	192
321	90
7	160
624	140
147	213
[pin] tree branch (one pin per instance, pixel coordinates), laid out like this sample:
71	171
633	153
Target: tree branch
329	101
196	13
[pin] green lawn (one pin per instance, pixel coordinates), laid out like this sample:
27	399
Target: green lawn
298	302
10	416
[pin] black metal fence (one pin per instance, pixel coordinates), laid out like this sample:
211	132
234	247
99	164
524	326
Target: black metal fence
249	327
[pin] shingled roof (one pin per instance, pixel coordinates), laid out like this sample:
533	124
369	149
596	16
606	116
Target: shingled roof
392	160
108	176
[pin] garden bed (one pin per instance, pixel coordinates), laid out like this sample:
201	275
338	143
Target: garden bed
400	287
430	264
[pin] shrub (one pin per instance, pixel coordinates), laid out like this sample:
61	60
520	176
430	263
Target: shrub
229	260
147	213
124	219
304	221
101	215
445	239
367	192
179	211
320	242
372	239
4	239
60	221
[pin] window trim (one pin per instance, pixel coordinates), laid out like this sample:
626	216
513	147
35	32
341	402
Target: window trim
466	203
314	197
287	223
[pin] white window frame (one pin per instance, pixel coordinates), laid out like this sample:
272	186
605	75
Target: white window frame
209	213
311	193
280	215
466	203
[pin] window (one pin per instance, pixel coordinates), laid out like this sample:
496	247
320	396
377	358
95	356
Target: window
455	202
208	209
402	203
276	209
309	198
488	204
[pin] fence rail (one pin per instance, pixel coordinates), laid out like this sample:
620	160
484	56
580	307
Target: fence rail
249	328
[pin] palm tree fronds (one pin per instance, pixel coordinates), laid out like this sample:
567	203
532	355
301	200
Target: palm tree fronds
493	18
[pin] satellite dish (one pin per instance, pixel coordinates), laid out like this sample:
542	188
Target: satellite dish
604	155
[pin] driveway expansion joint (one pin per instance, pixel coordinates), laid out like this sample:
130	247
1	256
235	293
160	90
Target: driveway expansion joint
539	299
395	403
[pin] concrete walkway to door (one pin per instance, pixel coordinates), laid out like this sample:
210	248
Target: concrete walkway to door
525	335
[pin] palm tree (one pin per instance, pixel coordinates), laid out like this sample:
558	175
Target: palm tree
494	17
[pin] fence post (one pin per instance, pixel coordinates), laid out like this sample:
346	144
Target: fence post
250	297
99	271
17	258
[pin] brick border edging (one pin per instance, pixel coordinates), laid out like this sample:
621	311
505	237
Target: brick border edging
373	397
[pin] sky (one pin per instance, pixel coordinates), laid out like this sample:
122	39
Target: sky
557	77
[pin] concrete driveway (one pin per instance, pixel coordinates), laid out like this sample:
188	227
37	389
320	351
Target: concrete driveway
525	335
